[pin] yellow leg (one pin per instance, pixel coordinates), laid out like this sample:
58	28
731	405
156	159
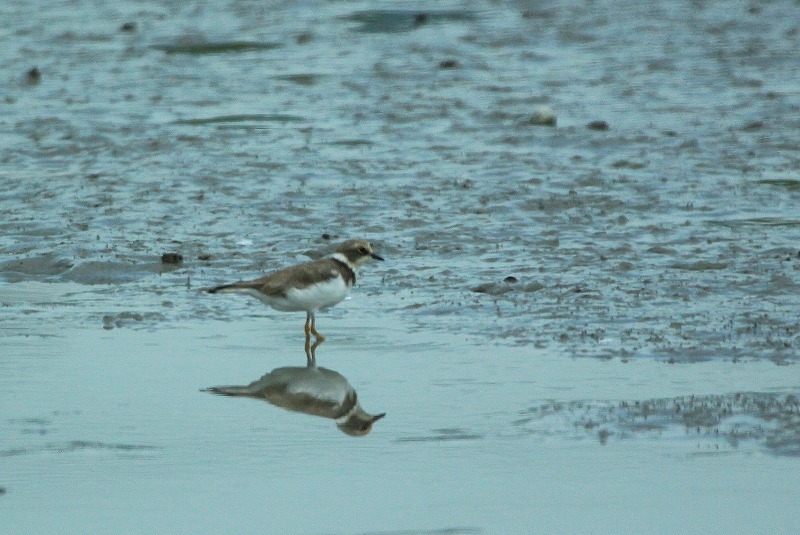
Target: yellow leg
312	328
307	329
311	349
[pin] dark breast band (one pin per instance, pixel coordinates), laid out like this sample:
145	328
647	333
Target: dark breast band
347	272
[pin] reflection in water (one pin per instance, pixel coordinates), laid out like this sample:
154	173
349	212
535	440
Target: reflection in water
309	389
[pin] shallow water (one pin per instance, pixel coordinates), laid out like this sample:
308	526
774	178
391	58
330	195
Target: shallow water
572	324
111	429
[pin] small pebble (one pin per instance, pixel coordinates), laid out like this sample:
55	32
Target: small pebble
420	18
511	279
449	64
33	76
326	236
171	258
204	257
597	125
543	116
128	27
303	38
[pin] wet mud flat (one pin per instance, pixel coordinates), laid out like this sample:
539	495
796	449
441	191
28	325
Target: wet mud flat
672	234
743	419
614	182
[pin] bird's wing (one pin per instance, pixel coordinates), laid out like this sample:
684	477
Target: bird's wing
299	276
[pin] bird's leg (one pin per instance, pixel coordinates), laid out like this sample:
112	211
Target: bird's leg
308	335
311	354
313	330
311	358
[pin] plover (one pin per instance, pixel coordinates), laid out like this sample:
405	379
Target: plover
310	286
311	390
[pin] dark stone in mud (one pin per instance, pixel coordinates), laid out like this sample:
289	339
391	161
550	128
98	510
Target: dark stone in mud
2	490
171	258
511	279
420	18
33	76
449	64
128	27
597	125
303	38
204	257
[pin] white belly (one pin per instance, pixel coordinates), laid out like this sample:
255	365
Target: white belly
315	297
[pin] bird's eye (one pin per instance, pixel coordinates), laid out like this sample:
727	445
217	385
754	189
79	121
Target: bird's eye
363	250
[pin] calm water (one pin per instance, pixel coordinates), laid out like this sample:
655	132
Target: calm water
576	329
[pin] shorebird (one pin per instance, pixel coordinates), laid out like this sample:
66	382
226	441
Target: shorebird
310	286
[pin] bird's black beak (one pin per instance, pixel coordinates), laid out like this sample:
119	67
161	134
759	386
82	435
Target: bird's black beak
378	417
376	257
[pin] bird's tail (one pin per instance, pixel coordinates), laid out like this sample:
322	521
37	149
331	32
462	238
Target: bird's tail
229	390
235	287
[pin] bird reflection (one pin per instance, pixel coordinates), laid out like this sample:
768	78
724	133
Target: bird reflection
309	389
